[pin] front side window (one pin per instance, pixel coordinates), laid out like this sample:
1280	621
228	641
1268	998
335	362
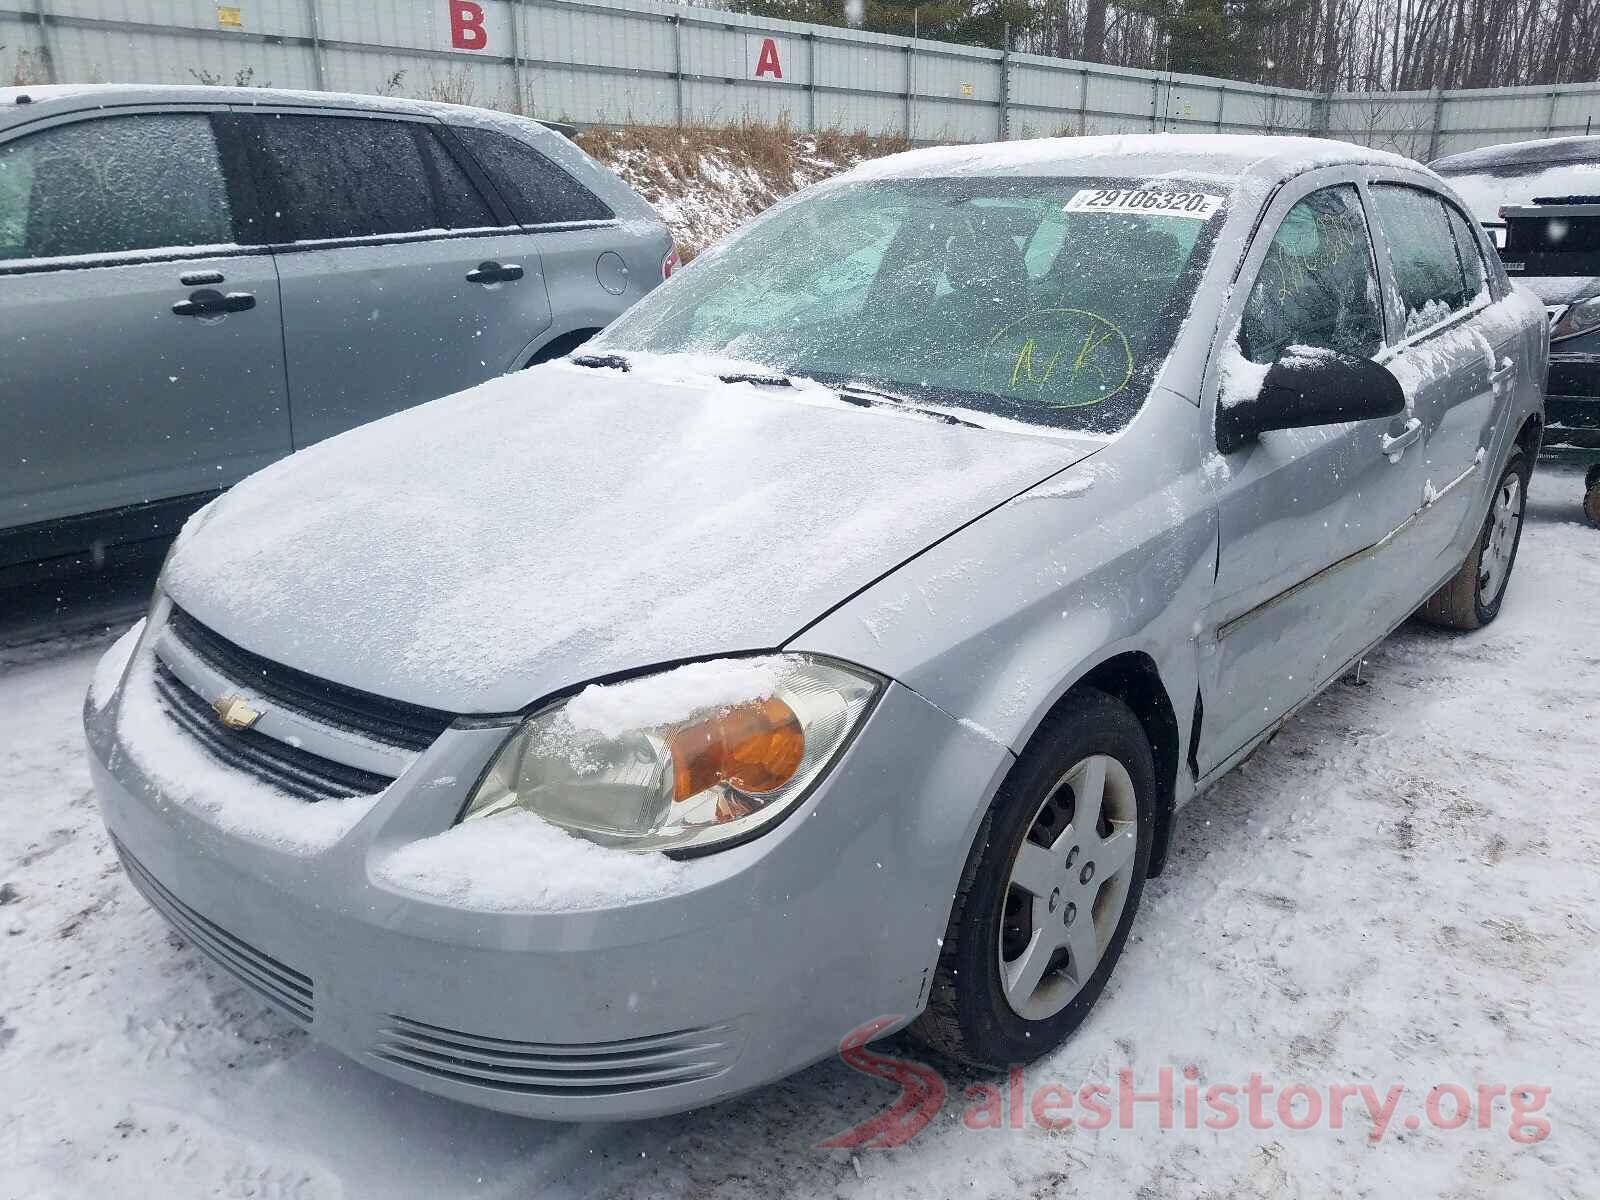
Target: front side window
1422	248
111	185
1317	285
1471	255
350	177
537	190
1052	301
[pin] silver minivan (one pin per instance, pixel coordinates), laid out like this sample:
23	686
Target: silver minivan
195	282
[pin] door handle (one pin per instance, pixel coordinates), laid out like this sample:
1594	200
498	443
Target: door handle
209	303
1394	446
200	278
493	272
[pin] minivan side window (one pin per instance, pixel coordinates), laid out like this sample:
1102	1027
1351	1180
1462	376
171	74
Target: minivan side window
113	184
1471	254
537	190
349	177
1422	248
1318	285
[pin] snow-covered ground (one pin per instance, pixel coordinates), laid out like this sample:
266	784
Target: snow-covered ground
1401	890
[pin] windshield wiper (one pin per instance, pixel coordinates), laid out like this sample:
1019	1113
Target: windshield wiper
757	377
865	397
614	362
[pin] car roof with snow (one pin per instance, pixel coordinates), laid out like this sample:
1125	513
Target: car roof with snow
22	103
1508	158
1181	155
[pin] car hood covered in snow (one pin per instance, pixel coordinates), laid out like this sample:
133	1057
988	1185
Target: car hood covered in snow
1560	289
541	530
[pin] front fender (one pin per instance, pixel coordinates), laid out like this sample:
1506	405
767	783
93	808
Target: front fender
997	622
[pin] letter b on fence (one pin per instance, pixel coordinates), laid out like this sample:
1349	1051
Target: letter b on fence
466	25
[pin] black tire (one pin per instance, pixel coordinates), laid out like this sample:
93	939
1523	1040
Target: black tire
1461	603
1591	500
968	1017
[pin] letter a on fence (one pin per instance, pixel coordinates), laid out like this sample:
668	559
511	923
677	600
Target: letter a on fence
767	65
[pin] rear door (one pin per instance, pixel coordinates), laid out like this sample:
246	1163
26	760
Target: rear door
592	270
1451	370
1303	513
401	280
142	356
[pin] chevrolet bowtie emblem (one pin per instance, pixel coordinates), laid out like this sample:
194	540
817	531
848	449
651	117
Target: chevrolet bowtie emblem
236	712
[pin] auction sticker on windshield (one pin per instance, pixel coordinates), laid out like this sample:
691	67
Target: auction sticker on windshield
1145	202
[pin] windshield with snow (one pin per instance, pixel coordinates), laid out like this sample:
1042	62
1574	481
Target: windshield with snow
1051	301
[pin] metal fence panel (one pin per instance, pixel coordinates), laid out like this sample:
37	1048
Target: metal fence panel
595	61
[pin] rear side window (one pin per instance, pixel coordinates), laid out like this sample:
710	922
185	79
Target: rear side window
1471	256
350	177
460	205
114	184
536	189
1317	285
1423	250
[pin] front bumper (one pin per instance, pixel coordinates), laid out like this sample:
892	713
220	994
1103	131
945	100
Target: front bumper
1572	398
778	949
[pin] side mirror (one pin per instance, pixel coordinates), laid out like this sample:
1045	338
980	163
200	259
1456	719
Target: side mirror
1309	386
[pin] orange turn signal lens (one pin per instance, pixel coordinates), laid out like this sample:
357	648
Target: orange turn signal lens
754	747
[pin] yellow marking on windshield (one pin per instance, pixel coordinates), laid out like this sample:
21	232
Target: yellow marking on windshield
1025	364
1091	344
1103	363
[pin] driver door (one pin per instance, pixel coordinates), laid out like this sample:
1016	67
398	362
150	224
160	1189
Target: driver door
1303	513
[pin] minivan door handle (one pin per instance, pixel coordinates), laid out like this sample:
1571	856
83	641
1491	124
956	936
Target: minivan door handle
1394	446
209	303
493	272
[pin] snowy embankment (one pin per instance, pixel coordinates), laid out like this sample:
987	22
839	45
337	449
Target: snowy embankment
1400	890
706	182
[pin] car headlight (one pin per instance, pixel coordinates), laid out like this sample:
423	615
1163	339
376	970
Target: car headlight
1580	318
699	756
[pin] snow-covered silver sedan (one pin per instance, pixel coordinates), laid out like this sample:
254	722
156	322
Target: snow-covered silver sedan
836	637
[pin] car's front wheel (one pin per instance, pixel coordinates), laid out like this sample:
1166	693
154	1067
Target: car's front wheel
1049	891
1472	597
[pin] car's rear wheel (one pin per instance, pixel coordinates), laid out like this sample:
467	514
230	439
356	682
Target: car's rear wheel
1473	596
1049	891
1591	496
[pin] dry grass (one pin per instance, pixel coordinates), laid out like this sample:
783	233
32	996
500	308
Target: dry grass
707	180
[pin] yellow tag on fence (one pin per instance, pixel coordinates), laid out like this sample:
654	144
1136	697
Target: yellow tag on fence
230	16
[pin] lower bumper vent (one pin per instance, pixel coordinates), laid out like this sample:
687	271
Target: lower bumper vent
558	1069
261	973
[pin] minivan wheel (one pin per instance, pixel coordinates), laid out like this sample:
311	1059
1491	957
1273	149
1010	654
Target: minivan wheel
1473	596
1050	889
1591	496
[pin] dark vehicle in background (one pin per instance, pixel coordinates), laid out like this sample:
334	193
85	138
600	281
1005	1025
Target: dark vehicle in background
1541	201
197	281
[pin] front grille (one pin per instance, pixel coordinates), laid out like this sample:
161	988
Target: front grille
393	722
270	979
558	1069
297	772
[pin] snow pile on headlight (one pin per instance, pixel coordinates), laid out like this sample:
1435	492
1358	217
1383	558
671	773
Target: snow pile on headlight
613	709
519	862
108	671
235	802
